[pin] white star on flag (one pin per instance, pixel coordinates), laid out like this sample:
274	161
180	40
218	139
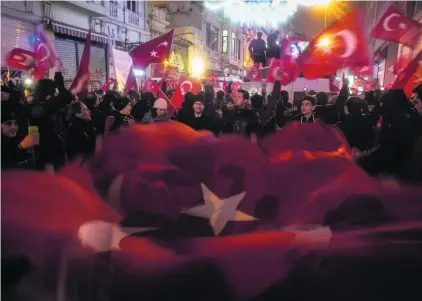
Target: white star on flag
154	53
219	211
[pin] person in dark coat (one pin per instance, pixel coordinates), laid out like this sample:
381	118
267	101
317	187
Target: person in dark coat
325	111
186	111
397	135
121	114
307	109
199	120
229	114
97	116
81	133
140	109
46	112
15	150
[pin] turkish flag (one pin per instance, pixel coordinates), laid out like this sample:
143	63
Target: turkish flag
401	63
190	84
395	26
363	71
408	78
342	44
80	82
131	83
171	109
45	53
154	51
254	74
177	97
152	86
20	59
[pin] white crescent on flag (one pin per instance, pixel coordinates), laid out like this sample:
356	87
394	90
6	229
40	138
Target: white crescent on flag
24	59
186	82
165	44
47	52
386	23
350	41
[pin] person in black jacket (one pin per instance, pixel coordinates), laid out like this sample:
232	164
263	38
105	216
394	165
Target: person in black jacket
141	112
46	112
81	132
199	120
97	116
307	109
15	150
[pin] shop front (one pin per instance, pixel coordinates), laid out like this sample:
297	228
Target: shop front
69	43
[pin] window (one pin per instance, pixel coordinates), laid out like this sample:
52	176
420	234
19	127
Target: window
131	5
234	46
238	49
212	37
113	2
225	40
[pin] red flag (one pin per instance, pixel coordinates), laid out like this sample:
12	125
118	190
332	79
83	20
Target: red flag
20	59
401	63
254	74
154	51
190	84
363	71
80	82
107	84
333	87
177	97
131	83
171	109
342	44
45	53
404	77
152	86
408	78
225	86
395	26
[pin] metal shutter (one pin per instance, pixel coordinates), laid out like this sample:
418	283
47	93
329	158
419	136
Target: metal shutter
66	51
14	33
97	65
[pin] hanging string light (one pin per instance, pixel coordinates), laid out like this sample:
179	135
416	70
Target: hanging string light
255	13
260	13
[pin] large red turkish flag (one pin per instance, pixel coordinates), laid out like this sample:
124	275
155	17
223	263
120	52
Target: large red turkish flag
154	51
395	26
20	59
342	44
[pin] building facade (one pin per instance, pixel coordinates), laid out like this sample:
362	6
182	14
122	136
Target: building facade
386	53
216	42
124	21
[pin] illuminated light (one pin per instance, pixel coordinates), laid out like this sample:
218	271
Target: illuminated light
197	67
365	78
360	89
382	88
351	80
139	72
255	14
28	81
314	2
324	42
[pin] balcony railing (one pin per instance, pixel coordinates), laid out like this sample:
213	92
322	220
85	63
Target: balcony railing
114	10
156	12
133	18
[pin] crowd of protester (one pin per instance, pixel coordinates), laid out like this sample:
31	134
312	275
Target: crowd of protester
47	126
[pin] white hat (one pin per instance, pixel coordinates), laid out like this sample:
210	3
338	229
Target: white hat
160	104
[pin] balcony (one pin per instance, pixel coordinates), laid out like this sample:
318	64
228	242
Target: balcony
132	18
212	54
95	8
190	33
157	18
